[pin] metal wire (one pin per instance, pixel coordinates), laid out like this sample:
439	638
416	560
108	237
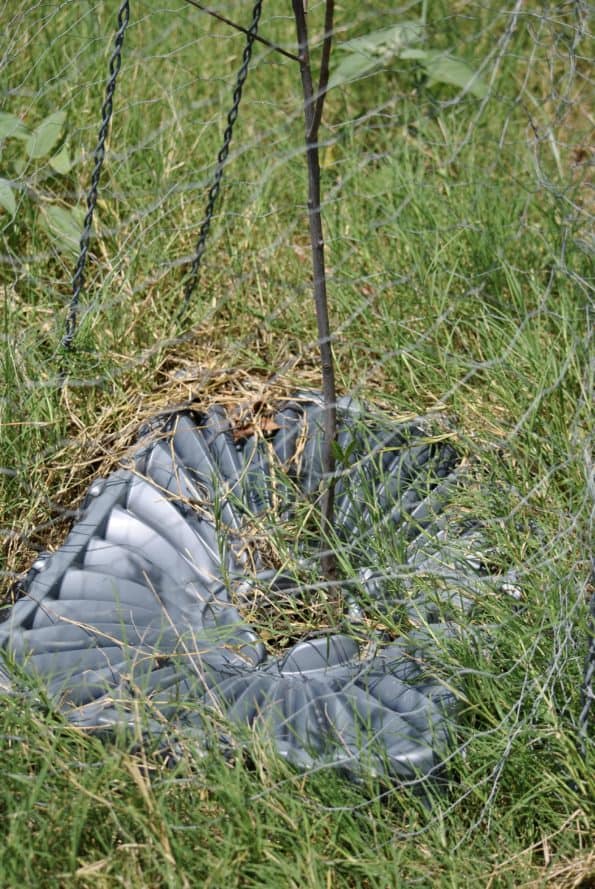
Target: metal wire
78	280
587	692
221	159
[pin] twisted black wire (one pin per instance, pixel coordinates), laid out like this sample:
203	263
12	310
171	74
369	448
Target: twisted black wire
221	159
587	691
78	279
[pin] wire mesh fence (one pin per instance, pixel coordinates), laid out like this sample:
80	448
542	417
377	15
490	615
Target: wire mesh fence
455	152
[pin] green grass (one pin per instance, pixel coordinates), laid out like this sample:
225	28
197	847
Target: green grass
457	247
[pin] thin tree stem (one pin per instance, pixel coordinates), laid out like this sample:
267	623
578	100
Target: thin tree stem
324	64
313	105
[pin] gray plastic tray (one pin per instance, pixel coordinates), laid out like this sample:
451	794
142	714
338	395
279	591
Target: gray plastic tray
144	598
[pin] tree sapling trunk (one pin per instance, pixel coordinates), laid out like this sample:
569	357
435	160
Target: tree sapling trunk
313	106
